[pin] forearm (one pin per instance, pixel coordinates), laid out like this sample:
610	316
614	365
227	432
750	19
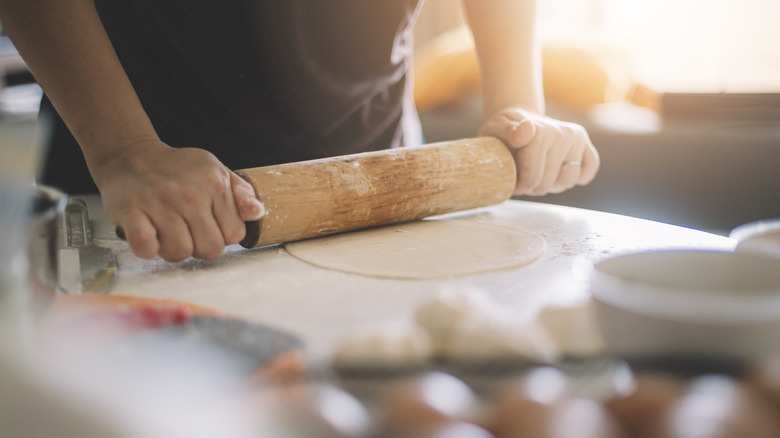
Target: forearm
507	45
171	202
69	53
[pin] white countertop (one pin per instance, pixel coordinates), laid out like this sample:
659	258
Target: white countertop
268	285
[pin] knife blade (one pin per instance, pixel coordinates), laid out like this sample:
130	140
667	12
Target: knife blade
82	265
257	342
242	345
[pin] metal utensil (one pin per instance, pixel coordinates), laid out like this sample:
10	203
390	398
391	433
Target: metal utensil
257	342
83	266
239	346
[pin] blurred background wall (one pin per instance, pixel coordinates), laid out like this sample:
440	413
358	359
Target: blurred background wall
681	97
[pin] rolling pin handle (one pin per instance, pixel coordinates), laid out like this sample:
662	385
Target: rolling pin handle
252	233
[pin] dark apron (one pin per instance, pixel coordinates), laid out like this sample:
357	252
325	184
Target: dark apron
257	82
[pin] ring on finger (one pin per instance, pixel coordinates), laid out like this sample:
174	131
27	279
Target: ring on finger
571	163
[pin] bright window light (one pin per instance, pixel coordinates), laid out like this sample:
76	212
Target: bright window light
679	45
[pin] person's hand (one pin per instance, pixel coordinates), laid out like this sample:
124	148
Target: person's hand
177	203
551	156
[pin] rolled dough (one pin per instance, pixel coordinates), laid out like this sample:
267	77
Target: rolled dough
423	250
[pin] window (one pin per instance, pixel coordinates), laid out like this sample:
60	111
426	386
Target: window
679	45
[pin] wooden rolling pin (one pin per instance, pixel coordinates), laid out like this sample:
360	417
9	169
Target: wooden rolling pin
319	197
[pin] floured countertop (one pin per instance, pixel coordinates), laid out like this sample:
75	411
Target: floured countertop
268	285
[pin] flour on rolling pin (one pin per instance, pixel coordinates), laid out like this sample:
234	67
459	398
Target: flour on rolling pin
320	197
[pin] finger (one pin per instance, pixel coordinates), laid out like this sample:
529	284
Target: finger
570	164
574	143
514	133
207	240
568	175
195	207
227	217
530	163
174	235
552	170
141	234
590	165
520	133
249	207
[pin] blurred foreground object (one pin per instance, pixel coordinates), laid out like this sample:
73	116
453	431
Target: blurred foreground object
19	159
30	408
689	304
151	367
48	205
761	237
29	404
84	266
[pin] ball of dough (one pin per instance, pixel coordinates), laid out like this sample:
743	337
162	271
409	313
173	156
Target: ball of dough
388	344
485	339
451	304
466	324
574	329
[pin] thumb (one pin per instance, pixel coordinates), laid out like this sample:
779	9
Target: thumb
249	207
520	133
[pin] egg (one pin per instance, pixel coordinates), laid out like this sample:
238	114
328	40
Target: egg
716	406
574	417
447	430
460	430
582	418
321	411
765	381
425	403
542	405
532	395
650	398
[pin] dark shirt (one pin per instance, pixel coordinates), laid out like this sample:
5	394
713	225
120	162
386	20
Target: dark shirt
258	82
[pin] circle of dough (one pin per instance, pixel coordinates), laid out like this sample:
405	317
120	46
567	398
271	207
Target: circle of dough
423	250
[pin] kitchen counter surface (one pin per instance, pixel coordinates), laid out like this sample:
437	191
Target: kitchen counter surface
268	285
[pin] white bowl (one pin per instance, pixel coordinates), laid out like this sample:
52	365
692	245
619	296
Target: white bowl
689	303
761	237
